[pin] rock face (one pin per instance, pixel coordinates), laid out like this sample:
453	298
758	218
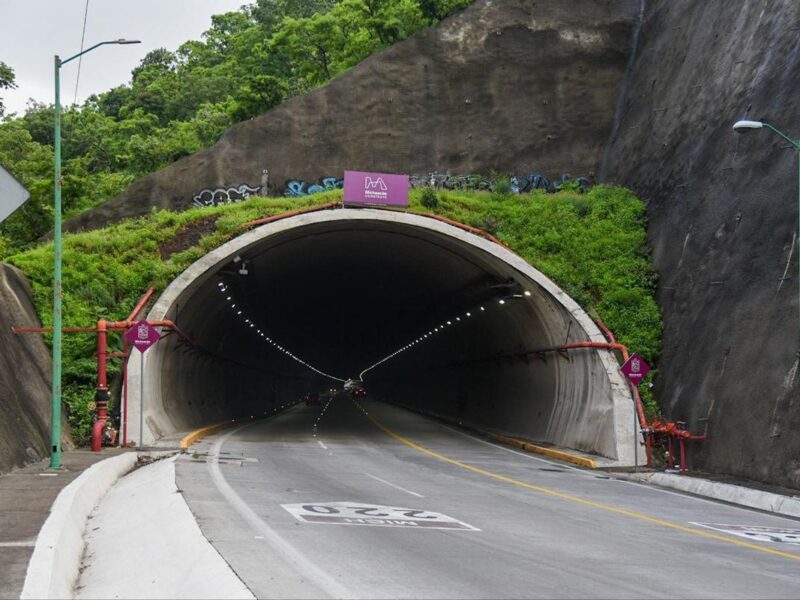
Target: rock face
25	376
519	87
723	222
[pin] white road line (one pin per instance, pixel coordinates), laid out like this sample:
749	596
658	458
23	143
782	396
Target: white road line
517	452
402	489
302	564
23	544
321	444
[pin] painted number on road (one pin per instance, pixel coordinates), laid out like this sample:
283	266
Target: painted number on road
776	535
358	513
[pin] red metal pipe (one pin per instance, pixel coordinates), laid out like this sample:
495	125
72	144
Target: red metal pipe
101	395
606	331
124	411
50	329
464	226
682	443
110	326
141	304
291	213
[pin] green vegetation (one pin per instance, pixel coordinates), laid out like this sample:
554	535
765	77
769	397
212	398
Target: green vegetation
6	82
429	198
180	102
592	245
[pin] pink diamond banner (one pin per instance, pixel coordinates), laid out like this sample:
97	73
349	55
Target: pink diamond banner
142	335
635	369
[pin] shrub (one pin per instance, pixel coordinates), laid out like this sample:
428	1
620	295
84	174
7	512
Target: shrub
501	185
429	198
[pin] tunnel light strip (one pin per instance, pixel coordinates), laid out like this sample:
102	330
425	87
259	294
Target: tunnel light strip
250	324
439	329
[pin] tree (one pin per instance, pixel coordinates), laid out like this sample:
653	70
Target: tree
258	95
32	164
6	83
158	61
436	10
312	45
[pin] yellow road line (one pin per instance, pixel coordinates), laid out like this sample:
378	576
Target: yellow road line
563	496
551	452
198	433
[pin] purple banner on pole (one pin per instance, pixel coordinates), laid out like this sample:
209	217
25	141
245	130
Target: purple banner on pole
635	369
141	336
382	189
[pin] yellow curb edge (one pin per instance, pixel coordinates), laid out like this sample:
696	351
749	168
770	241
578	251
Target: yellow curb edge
551	452
195	435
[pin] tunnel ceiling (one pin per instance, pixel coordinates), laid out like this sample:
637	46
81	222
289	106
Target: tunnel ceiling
340	295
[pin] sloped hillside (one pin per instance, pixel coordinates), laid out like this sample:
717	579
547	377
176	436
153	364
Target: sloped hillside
516	87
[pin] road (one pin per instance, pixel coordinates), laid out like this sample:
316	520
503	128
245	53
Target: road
366	500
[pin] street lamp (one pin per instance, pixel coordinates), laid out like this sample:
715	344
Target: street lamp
55	428
744	127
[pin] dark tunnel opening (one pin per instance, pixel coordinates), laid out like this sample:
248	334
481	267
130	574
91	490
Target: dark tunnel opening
277	311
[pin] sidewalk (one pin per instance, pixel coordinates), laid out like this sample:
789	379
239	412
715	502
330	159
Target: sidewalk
26	496
781	501
165	554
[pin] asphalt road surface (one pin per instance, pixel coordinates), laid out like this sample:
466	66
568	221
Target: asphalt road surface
367	500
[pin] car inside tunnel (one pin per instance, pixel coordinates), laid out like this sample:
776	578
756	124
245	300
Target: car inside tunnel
427	315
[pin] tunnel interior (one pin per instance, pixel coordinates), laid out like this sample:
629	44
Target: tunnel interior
429	316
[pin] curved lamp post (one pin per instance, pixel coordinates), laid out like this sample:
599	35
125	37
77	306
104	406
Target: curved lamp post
55	427
744	127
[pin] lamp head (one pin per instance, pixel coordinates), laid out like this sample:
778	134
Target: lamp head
745	126
124	41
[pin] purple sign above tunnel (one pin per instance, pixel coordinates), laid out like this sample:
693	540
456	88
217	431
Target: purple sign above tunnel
382	189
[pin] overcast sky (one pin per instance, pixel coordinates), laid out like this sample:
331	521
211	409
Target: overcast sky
32	32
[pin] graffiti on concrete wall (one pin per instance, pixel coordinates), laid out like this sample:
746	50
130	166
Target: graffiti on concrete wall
296	188
224	195
519	184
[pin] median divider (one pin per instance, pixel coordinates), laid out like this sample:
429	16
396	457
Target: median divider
55	564
544	450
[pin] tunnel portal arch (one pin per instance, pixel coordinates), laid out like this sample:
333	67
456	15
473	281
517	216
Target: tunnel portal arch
478	374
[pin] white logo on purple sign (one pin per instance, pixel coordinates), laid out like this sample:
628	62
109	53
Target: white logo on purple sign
370	183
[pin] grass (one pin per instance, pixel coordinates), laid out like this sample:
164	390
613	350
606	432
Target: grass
592	245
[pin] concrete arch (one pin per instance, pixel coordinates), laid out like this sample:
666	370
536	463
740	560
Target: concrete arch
421	270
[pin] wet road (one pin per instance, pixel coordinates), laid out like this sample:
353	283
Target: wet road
367	500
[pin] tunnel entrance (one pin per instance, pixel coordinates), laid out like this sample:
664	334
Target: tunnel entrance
436	318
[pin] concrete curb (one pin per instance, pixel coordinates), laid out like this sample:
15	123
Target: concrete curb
735	494
56	560
195	435
550	452
558	454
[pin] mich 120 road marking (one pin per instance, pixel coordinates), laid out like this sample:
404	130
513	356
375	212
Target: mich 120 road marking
775	535
375	515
